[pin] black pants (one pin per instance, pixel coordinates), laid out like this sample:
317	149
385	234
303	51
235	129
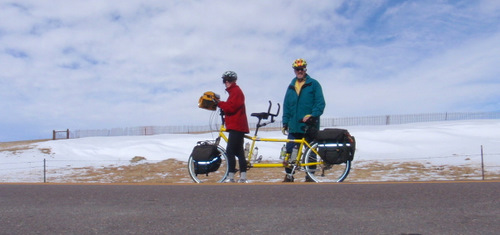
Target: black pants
235	149
291	145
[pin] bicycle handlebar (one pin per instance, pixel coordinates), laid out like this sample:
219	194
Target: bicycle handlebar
269	111
265	116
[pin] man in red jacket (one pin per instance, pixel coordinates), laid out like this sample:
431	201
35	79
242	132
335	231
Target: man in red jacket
236	125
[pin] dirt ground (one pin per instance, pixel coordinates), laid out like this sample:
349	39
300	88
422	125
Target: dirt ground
174	171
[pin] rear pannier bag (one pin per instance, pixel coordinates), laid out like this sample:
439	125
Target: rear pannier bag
335	146
206	158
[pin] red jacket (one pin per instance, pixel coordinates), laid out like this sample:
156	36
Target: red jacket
234	109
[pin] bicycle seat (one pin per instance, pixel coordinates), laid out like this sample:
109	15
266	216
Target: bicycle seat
260	115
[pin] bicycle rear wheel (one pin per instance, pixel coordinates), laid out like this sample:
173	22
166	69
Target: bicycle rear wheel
211	177
324	172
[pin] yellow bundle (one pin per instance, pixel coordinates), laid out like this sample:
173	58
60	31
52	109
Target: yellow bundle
208	100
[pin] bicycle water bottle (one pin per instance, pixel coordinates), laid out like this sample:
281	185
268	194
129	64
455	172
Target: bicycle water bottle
247	149
255	153
283	152
293	156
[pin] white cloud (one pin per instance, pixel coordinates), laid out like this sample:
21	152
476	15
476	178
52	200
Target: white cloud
97	64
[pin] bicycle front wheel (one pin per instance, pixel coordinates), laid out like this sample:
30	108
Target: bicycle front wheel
323	172
210	176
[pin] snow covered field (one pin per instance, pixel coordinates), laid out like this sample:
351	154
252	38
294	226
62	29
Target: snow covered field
451	143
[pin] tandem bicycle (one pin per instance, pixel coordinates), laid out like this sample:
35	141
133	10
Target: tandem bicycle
325	159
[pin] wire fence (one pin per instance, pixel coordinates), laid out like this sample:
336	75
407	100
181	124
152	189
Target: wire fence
325	122
62	171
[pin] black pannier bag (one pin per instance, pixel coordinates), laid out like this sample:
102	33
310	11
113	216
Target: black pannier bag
206	158
335	146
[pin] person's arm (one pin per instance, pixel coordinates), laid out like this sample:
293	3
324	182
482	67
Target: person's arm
319	101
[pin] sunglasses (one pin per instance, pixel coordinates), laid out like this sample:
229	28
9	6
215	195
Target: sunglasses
224	80
299	69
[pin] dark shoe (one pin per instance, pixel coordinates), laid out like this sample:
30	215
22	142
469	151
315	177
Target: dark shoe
309	179
288	178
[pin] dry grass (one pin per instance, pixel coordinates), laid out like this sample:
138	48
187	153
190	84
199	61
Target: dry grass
414	171
174	171
16	146
167	171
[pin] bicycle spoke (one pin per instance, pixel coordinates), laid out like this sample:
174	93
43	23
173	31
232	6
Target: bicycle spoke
323	172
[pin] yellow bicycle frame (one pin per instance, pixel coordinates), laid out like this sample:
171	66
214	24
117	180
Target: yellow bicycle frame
302	142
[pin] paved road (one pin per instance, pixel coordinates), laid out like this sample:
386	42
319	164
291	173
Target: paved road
344	208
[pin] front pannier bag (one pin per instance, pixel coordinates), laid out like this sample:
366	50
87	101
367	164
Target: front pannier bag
206	101
335	146
206	158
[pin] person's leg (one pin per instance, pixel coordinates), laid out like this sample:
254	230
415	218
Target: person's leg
312	158
289	150
238	143
231	159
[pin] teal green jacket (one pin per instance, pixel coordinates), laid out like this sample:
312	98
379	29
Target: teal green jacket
310	101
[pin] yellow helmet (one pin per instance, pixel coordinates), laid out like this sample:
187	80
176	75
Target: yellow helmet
299	63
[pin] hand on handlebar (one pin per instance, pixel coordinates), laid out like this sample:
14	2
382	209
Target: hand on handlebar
309	120
306	118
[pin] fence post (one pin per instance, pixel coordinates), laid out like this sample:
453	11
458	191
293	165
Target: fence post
44	170
67	133
482	162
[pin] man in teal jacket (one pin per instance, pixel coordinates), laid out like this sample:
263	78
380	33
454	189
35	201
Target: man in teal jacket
304	103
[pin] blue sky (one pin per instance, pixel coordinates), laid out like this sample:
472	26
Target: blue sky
98	64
